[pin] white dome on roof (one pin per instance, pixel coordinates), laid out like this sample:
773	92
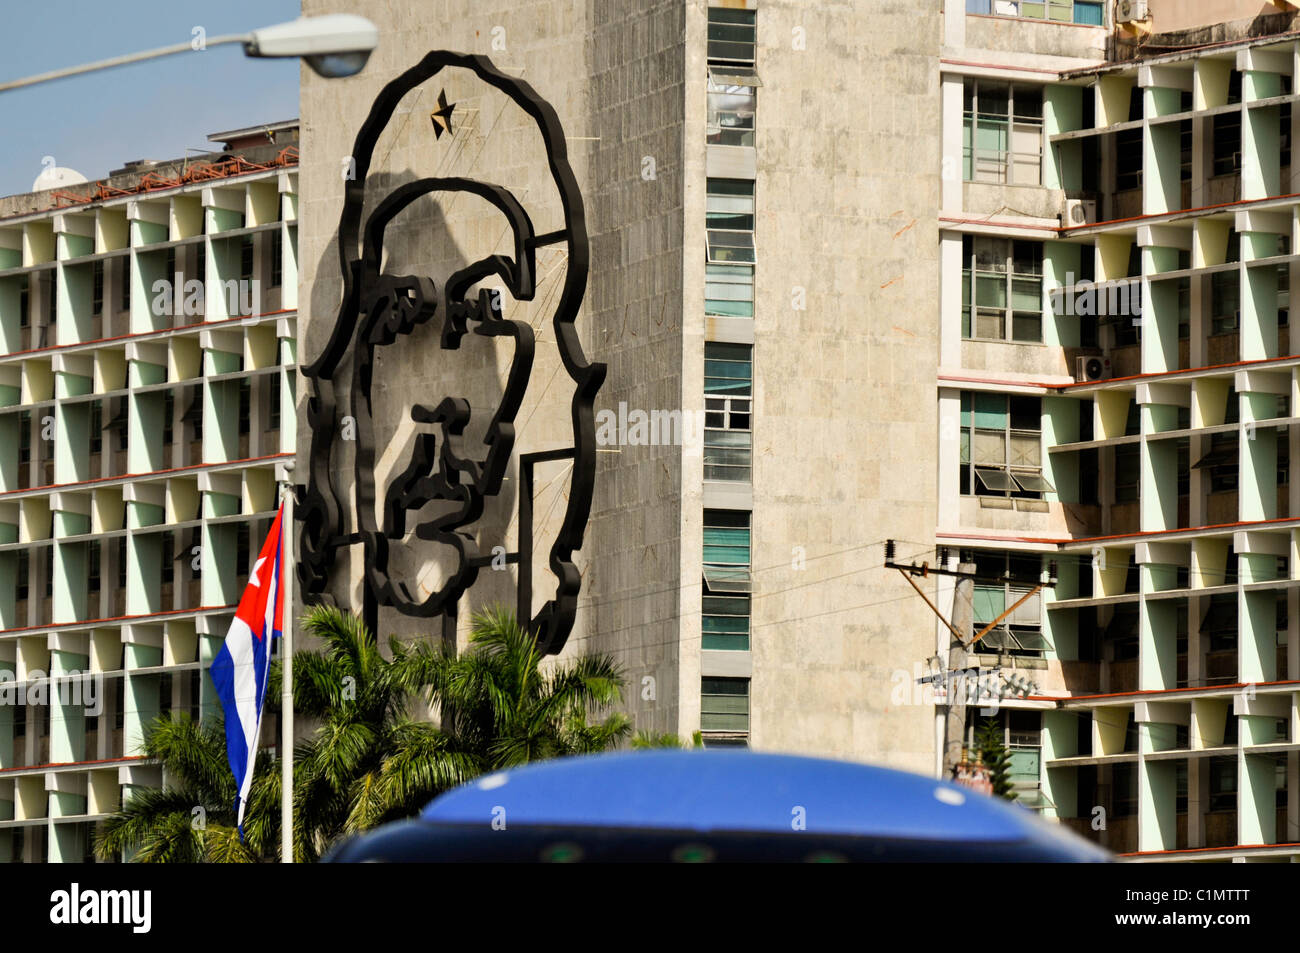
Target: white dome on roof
57	177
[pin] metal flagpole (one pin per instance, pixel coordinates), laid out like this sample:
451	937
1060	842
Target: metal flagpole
285	479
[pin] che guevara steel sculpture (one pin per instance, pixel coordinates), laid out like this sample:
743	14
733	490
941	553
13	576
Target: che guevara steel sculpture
377	309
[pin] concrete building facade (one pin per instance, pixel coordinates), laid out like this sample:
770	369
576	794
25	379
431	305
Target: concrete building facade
1116	395
147	344
763	262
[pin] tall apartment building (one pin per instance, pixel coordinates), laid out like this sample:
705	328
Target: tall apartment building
1117	393
147	329
761	185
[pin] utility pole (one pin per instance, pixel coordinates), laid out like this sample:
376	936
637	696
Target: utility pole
962	628
963	615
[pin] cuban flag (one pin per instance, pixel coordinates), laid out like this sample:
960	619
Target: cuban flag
240	669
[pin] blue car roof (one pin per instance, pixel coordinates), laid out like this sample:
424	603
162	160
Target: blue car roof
743	791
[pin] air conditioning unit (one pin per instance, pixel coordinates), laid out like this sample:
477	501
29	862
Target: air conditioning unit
1091	368
1079	212
1131	11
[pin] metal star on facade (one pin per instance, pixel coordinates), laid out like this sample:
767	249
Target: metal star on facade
442	116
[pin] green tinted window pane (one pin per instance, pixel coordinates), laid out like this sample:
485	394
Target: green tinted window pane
741	187
967	160
1089	14
712	722
731	291
725	624
990	411
724	686
729	309
991	292
726	704
726	536
990	602
726	555
991	136
965	445
725	642
726	605
1026	294
1027	327
1024	764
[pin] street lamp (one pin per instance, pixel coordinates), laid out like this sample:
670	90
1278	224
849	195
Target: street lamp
334	45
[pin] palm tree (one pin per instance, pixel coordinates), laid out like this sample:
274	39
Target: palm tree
193	819
370	758
502	708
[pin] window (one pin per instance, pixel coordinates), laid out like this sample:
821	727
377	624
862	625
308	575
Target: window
1225	302
24	438
24	303
97	288
732	37
246	258
1085	12
277	259
168	560
92	566
1220	622
245	405
728	390
118	422
23	570
729	266
1125	790
1021	632
169	412
732	77
194	413
731	112
1227	143
49	571
241	550
1284	133
1002	133
724	706
121	561
1222	462
1127	473
51	299
1007	278
1001	446
725	610
1223	782
273	402
124	283
730	221
1128	159
96	427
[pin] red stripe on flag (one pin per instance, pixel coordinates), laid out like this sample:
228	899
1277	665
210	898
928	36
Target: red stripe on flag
252	605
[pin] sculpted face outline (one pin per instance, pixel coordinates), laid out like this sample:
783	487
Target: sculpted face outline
376	309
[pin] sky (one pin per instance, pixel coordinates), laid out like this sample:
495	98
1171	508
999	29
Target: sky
151	110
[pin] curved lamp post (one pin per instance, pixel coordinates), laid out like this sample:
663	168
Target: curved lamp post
334	45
